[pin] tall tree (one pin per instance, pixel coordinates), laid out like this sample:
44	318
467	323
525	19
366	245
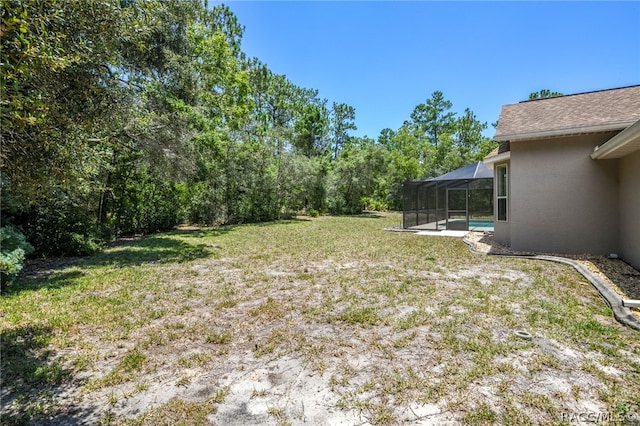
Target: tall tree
61	86
342	120
311	129
468	137
434	118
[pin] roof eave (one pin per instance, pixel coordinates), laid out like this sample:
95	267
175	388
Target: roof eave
563	132
620	145
491	161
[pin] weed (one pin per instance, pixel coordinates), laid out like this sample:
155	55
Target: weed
541	360
271	309
183	381
227	303
126	369
512	415
264	349
389	319
197	359
403	341
416	318
133	361
539	401
142	386
219	338
360	315
484	414
187	412
107	418
258	393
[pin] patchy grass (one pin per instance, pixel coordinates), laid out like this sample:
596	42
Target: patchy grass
260	322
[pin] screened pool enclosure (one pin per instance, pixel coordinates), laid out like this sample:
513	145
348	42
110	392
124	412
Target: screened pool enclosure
458	200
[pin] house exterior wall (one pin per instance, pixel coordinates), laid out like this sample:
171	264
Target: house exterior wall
502	230
562	201
629	175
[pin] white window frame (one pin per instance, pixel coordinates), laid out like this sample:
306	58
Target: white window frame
505	193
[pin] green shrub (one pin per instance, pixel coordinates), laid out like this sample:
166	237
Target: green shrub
314	213
61	226
13	249
373	204
141	199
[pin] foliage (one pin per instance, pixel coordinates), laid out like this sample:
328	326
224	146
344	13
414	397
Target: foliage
153	115
543	94
356	175
60	226
13	249
432	143
373	204
141	200
282	286
343	119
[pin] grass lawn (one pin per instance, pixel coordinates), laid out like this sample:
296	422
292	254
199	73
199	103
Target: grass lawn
330	320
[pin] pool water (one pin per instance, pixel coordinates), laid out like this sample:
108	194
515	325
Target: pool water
480	223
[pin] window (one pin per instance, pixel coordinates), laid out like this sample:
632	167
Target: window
502	191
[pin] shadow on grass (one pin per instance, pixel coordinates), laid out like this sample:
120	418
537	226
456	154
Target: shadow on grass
204	232
152	249
293	220
48	278
158	248
365	215
32	382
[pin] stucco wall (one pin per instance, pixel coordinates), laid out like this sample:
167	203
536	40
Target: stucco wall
561	200
629	169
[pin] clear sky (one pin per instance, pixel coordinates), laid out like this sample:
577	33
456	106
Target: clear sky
384	58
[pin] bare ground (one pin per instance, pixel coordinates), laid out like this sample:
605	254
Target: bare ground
353	339
623	278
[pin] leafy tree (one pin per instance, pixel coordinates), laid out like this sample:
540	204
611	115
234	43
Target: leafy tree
433	118
131	116
386	138
301	185
146	87
434	125
342	120
311	130
543	94
433	142
277	101
59	87
357	176
467	140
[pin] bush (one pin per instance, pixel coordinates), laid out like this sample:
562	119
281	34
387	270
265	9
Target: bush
13	249
314	213
141	199
373	204
61	226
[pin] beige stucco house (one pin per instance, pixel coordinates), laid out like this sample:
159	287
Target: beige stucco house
567	175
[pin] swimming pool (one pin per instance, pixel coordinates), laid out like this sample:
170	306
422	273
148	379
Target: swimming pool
480	223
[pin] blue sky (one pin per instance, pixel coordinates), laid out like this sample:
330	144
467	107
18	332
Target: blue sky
384	58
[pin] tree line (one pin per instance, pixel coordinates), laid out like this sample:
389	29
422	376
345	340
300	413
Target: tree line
132	116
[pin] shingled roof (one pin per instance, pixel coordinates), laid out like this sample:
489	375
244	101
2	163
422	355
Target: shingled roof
500	149
603	110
